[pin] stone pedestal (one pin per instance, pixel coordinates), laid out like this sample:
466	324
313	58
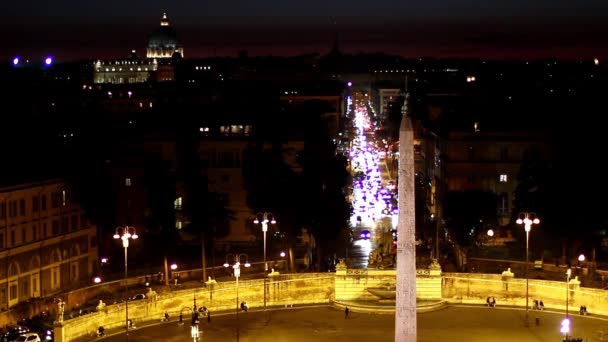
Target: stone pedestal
58	331
507	277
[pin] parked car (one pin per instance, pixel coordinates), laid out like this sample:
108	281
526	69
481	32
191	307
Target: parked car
13	332
28	337
138	296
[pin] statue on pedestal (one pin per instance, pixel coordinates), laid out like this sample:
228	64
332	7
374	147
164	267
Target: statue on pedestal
61	307
384	255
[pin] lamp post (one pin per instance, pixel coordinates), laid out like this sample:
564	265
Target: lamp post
236	258
581	259
527	219
566	322
265	218
490	234
125	234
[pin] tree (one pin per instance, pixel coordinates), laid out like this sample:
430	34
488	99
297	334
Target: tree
205	213
467	215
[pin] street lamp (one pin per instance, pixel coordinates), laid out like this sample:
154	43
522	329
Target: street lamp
490	234
581	259
174	274
266	218
527	219
236	258
566	322
125	234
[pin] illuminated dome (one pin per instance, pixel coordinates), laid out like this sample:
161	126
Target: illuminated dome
163	42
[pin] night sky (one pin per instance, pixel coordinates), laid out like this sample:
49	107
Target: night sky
72	30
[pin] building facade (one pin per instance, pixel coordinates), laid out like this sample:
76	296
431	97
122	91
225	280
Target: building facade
47	244
490	161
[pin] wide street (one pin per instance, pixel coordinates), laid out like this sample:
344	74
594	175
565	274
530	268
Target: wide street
325	324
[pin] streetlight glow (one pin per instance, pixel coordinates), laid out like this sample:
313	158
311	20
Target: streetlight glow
236	258
264	218
527	219
125	234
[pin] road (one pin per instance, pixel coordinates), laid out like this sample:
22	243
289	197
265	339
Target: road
325	324
373	199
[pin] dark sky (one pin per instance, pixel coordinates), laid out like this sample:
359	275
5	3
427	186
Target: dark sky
71	29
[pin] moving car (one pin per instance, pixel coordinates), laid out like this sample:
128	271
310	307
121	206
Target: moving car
365	235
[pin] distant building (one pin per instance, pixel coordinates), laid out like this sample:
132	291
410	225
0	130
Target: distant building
47	244
163	42
490	161
125	70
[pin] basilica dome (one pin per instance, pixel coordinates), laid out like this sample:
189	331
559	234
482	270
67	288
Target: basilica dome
163	42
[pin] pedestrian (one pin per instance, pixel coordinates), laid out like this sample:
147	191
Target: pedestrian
346	312
209	317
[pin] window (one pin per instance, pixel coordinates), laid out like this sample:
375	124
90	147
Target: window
178	224
23	235
35	204
83	221
13	238
127	181
504	153
55	200
22	207
34	232
55	277
65	225
503	178
24	286
44	232
2	240
178	203
55	227
43	202
3	211
503	203
470	153
63	198
13	291
74	222
93	241
12	208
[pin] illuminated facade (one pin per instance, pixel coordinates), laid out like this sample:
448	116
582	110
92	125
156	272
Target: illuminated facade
47	245
123	71
163	42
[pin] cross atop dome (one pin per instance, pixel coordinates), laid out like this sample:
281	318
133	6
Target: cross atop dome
164	21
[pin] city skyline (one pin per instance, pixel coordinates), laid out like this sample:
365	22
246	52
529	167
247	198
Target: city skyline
458	28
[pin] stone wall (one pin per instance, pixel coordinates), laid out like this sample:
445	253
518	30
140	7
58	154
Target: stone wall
345	285
474	288
306	288
352	284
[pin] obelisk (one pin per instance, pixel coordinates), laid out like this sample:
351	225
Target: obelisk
405	310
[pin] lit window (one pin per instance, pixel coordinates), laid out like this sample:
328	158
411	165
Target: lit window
503	178
178	224
127	181
178	203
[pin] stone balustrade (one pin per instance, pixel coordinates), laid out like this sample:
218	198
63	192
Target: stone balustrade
345	285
